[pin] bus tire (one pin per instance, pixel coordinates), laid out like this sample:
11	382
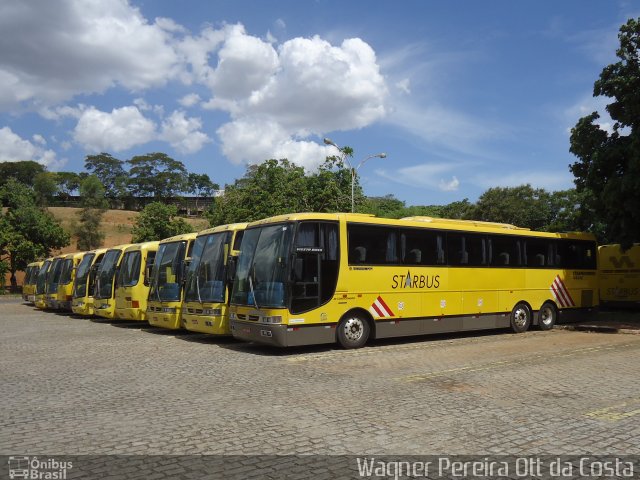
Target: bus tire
520	318
547	316
353	330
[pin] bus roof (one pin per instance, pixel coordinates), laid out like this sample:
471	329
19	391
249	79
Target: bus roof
143	246
179	238
422	222
224	228
120	247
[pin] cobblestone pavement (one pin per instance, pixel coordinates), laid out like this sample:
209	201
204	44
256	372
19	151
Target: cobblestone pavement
75	386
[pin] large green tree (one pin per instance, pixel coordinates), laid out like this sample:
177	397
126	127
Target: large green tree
111	173
523	206
608	168
157	175
27	232
23	171
158	221
94	204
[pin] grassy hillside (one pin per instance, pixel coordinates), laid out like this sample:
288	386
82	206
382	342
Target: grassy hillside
116	224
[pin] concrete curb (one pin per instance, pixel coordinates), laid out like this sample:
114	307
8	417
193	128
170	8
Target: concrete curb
600	328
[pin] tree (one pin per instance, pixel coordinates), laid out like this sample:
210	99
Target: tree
23	171
156	175
201	185
386	207
45	187
158	221
523	206
94	204
271	188
111	173
607	172
67	183
27	232
329	188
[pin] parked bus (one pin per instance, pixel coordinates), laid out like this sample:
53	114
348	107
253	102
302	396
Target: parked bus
41	284
132	282
29	284
207	287
320	278
164	306
619	275
67	276
53	277
83	285
104	303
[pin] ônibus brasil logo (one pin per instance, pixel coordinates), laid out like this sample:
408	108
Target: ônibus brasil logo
38	469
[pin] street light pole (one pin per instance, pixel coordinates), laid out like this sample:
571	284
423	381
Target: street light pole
328	141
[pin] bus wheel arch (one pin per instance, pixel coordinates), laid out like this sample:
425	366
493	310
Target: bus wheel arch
355	328
521	317
547	315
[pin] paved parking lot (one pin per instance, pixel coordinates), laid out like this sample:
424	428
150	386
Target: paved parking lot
75	386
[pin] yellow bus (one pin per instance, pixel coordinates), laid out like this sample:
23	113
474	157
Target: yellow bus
619	275
41	284
132	282
164	306
83	285
320	278
206	296
67	276
29	283
53	277
104	303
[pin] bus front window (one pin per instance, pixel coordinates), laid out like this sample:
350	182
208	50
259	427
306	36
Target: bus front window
80	287
104	280
167	272
263	267
206	275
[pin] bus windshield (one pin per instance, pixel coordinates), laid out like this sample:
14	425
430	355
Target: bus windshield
129	269
67	271
82	274
41	281
206	274
167	272
263	266
104	280
54	276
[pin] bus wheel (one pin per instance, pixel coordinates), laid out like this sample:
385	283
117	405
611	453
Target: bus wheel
547	316
353	331
520	318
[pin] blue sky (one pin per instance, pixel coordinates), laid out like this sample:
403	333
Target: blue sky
460	95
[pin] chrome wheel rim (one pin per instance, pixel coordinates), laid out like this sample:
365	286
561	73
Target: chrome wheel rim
546	316
353	329
520	317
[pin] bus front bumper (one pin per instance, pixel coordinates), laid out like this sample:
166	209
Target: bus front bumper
282	335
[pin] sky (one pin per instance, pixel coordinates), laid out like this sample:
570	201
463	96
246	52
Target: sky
461	95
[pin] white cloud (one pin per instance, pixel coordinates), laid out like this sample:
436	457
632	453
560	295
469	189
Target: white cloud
51	51
183	133
14	148
255	139
427	175
308	87
119	130
189	100
450	186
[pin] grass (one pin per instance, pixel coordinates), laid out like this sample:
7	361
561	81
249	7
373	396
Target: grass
116	224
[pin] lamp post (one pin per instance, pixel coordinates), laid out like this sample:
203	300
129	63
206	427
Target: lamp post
328	141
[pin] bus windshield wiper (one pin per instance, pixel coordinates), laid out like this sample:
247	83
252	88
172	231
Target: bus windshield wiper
255	300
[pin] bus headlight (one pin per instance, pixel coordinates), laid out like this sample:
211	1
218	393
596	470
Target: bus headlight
216	312
169	310
272	319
